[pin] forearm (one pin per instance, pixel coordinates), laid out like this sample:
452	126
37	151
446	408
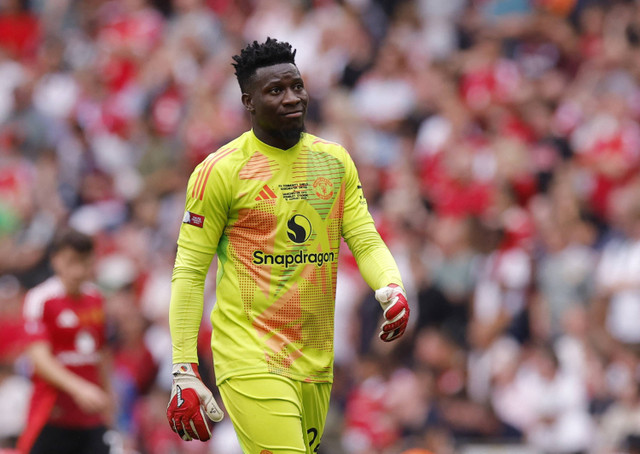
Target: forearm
47	366
375	262
187	301
106	365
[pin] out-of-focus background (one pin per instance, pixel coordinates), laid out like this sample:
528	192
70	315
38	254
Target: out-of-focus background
498	144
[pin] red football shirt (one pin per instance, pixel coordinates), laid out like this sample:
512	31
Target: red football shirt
74	327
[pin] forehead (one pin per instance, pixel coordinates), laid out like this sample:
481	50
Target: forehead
69	253
275	73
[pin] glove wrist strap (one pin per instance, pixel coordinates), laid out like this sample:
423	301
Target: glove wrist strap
185	369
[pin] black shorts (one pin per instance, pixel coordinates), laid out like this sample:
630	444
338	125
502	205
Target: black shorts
62	440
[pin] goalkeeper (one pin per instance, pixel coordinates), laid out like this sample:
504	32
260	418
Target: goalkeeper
273	205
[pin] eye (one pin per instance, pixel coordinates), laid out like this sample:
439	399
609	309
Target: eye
275	90
299	86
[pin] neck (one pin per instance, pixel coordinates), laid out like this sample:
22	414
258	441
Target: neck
280	139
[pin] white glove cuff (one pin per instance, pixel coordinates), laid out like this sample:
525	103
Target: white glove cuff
386	296
182	369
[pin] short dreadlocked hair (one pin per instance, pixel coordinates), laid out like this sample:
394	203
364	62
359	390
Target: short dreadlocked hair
258	55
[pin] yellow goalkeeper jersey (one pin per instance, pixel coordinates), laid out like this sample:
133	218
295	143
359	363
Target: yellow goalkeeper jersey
275	219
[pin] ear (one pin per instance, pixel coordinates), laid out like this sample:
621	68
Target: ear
247	101
57	261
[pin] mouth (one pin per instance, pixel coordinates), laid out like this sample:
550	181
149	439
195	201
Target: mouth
295	114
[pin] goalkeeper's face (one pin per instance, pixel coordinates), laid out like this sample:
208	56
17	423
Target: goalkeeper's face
277	101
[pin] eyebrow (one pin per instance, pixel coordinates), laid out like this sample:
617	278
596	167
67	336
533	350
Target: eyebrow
279	81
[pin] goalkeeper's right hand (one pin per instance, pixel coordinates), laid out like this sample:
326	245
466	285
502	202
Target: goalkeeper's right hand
190	401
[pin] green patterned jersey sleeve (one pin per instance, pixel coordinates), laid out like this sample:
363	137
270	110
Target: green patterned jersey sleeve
375	262
185	310
207	204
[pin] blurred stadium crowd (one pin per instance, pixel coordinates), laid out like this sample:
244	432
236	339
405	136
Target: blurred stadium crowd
498	144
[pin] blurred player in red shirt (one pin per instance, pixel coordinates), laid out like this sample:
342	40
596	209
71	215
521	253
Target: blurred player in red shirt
64	321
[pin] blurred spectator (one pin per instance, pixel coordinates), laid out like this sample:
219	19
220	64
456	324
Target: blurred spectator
559	406
133	367
618	285
621	420
20	30
368	427
445	298
15	393
567	260
500	307
15	389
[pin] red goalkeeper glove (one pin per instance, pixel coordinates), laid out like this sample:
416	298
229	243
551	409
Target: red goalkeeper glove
396	311
190	402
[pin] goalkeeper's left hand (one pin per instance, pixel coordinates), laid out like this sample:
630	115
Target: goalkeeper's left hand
191	404
396	311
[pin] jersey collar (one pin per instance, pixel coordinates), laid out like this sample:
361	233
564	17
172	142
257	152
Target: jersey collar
266	148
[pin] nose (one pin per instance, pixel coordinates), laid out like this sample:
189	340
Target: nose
78	272
290	97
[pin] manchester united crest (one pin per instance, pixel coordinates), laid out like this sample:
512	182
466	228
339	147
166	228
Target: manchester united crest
323	188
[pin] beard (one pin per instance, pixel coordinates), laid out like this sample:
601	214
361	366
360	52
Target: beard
291	134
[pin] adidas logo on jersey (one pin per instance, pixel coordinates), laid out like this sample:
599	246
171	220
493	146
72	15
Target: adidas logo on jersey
266	194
